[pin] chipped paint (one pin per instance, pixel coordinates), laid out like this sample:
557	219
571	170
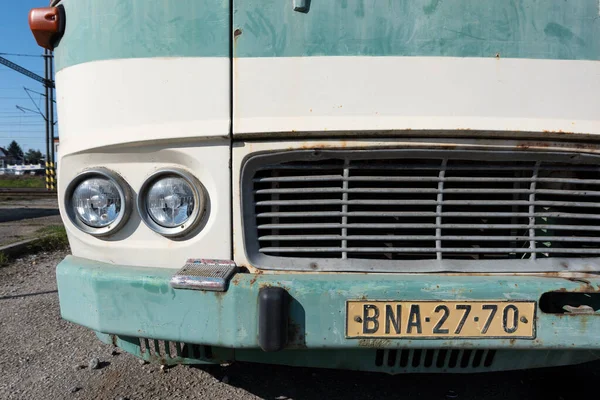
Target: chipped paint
317	310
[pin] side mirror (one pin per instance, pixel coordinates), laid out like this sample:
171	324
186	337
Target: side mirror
47	25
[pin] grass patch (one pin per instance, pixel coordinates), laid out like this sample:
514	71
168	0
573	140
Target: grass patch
53	237
49	238
22	182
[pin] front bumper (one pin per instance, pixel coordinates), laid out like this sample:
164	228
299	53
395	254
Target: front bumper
136	302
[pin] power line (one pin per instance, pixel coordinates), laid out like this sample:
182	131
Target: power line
15	125
47	81
18	116
40	131
37	71
20	55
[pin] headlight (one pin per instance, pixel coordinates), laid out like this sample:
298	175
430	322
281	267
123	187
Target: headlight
171	202
98	202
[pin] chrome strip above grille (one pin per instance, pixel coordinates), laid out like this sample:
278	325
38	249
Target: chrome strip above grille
416	210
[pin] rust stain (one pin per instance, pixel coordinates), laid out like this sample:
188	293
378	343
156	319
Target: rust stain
374	343
580	280
584	287
236	34
256	275
296	336
265	285
528	145
321	145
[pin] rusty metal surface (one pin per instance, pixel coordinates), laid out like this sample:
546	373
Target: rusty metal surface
87	292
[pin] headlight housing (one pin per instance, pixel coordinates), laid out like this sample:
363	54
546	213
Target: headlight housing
171	202
98	201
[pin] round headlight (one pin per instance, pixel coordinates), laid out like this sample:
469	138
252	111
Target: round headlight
171	202
97	202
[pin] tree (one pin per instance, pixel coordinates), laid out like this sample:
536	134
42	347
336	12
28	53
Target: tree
15	150
33	156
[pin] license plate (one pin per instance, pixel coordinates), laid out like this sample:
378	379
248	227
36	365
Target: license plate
440	319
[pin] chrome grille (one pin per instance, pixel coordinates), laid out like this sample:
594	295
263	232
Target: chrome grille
352	209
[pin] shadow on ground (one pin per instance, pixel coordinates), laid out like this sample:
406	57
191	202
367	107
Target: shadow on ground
279	382
17	214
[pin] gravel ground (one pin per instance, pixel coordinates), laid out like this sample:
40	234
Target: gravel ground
44	357
20	219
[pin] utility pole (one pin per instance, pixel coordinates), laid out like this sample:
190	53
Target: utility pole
51	115
49	89
48	156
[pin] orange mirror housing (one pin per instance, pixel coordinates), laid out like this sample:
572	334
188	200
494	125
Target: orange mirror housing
47	25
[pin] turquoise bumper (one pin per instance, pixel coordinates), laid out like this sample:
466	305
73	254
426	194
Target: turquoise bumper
138	302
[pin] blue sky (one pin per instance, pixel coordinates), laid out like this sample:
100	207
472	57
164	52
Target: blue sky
15	37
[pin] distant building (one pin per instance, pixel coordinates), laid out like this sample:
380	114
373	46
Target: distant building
6	158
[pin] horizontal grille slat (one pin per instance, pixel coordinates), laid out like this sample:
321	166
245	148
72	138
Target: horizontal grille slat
418	250
419	191
426	238
364	166
309	214
436	179
375	208
427	202
428	226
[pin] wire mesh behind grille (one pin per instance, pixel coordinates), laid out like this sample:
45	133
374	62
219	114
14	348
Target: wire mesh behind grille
437	205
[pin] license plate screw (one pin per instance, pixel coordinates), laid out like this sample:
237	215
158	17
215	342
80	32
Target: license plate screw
358	319
524	320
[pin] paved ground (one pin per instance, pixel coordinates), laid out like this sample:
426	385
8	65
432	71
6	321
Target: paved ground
19	219
40	355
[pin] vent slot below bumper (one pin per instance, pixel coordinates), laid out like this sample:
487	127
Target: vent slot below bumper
435	358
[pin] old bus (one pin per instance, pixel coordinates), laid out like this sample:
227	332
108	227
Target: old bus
395	186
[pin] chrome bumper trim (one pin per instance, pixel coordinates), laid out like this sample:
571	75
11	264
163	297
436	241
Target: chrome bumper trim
203	274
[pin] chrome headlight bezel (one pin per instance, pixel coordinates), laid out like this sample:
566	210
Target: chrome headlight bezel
124	193
200	200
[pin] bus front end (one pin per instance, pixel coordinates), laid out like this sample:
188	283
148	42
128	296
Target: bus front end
377	186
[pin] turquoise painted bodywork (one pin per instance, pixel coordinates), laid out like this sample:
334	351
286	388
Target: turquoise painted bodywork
543	29
110	29
138	302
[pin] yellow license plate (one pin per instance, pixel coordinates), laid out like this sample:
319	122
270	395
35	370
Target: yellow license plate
440	319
